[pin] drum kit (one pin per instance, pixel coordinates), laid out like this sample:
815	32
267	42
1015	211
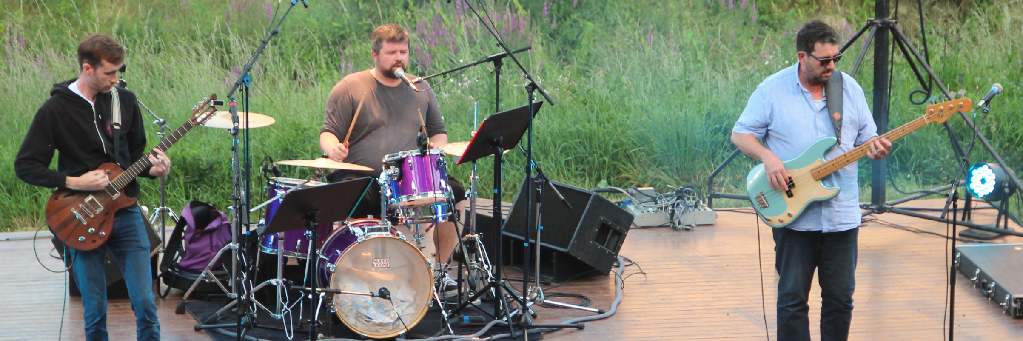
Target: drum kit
358	256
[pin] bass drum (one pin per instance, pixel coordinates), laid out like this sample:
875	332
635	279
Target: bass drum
364	256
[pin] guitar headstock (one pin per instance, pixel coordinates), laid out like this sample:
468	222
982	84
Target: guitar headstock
204	110
941	112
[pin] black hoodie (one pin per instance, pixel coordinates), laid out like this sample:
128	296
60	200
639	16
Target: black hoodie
67	123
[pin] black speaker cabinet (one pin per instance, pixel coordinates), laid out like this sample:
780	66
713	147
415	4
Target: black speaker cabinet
115	281
582	236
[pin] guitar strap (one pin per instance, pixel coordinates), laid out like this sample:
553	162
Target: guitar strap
833	94
115	117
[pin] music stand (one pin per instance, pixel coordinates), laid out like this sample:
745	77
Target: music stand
504	129
309	206
497	133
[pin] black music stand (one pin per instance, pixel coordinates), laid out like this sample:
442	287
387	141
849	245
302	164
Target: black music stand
309	206
497	133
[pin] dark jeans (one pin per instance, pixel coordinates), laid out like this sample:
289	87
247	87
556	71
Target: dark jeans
797	255
130	246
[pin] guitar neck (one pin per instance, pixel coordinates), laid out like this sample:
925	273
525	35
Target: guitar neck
143	163
860	151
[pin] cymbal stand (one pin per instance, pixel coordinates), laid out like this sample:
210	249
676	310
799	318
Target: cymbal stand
163	210
241	268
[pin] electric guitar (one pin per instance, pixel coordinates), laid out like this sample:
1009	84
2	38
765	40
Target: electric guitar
778	209
83	220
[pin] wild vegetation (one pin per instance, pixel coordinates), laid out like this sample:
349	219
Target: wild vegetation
645	92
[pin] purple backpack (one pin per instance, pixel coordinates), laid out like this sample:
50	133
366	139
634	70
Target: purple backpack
206	232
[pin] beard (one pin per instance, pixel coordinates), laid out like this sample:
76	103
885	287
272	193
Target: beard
389	72
824	76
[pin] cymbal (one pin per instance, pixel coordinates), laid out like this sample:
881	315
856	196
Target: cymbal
222	120
455	148
324	163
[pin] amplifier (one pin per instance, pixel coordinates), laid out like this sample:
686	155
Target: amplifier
997	271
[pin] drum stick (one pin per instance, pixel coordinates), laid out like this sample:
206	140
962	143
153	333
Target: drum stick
356	117
422	125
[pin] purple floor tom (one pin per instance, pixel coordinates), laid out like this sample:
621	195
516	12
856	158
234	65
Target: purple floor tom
294	242
413	179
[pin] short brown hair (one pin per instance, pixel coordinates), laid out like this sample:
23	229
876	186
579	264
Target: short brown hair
99	47
388	32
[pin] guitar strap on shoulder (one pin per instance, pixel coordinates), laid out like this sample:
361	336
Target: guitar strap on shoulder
115	121
833	94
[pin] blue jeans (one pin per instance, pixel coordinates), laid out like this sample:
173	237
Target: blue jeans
797	255
129	243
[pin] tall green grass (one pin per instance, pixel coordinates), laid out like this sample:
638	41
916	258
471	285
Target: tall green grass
645	92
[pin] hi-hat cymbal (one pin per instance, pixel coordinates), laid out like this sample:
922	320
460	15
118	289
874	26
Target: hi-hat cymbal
455	148
324	163
222	120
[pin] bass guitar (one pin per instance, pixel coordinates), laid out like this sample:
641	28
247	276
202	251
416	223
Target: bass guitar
83	220
778	209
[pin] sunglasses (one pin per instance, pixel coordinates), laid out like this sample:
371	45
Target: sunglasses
825	61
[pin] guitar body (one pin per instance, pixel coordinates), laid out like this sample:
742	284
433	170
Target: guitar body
84	220
779	209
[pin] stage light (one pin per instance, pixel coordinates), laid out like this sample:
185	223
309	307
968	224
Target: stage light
988	181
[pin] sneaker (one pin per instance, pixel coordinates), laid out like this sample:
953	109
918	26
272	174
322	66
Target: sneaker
445	283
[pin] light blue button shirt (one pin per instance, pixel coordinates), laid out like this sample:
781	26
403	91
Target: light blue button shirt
784	115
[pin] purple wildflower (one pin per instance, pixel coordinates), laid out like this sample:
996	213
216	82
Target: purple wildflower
650	36
575	2
545	10
711	40
184	5
743	5
754	39
269	11
731	4
21	41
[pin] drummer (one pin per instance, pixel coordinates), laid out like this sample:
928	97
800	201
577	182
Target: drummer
390	119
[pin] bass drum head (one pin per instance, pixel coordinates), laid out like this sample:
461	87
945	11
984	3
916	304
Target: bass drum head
382	262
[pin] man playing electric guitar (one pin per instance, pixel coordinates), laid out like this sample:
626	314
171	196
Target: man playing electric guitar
789	113
78	120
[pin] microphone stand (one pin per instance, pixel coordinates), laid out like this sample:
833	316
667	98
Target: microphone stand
525	323
163	210
240	196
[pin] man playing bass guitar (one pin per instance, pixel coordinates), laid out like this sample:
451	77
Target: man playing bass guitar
78	120
788	111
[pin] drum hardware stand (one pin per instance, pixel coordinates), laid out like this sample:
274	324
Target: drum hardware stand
331	202
503	132
163	210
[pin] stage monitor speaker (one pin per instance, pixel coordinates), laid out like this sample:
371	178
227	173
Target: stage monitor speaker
115	281
584	237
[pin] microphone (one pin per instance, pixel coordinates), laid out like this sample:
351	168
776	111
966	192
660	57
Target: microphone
272	168
995	89
401	74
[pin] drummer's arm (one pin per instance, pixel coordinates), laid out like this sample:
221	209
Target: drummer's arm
333	147
436	141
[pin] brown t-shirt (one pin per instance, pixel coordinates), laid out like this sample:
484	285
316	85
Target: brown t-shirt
388	122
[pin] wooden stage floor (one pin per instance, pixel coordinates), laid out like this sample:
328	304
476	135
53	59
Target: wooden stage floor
716	282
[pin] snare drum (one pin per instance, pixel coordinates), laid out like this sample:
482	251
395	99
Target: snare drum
413	179
294	242
365	255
